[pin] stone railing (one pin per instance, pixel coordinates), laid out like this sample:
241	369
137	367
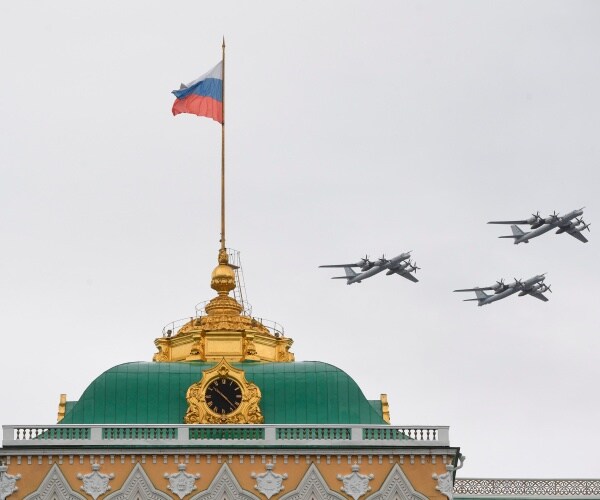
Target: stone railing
526	488
231	436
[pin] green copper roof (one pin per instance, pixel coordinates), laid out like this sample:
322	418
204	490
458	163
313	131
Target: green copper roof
310	392
376	405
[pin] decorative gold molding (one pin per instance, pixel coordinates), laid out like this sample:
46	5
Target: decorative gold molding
385	408
199	412
62	407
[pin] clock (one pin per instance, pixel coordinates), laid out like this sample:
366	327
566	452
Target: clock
223	396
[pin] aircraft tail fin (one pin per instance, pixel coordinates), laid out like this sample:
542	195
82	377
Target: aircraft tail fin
517	232
480	297
350	273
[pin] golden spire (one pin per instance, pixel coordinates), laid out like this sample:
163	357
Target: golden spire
224	332
223	281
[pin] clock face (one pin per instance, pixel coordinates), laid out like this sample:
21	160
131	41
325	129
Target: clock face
223	396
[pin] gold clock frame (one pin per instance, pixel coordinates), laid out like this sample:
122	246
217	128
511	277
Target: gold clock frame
248	412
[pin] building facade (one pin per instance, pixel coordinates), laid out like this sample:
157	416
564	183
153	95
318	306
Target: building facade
225	412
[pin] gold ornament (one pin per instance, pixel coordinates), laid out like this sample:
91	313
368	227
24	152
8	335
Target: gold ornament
223	332
209	401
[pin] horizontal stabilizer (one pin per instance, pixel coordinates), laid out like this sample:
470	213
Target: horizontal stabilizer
517	233
469	300
339	278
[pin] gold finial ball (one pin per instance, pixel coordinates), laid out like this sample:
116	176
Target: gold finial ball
223	277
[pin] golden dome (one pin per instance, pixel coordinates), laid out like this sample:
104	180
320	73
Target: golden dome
224	332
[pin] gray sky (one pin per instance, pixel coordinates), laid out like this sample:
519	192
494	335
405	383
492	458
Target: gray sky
352	127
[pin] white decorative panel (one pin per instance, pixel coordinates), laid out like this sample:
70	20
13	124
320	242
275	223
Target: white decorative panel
313	487
355	484
396	487
445	481
138	486
225	486
182	483
95	483
55	487
269	483
8	482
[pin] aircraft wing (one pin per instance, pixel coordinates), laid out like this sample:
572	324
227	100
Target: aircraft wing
474	289
508	222
578	235
340	265
539	296
407	275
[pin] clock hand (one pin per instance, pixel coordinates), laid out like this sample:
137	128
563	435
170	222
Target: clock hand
225	397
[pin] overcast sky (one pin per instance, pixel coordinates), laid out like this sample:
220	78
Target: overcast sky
352	128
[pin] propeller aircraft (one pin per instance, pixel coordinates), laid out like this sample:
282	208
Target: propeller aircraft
535	287
540	225
401	265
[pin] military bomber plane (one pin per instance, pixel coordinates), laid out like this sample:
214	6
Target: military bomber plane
401	265
535	287
540	225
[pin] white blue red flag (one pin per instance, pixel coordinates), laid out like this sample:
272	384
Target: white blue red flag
203	96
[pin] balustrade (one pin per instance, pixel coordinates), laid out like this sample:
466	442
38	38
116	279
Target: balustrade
533	488
277	436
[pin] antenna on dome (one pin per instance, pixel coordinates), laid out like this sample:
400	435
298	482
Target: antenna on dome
239	292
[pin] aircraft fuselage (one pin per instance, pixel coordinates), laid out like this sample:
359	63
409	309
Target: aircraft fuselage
377	268
513	288
560	221
499	296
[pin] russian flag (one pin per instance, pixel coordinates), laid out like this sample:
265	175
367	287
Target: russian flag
203	96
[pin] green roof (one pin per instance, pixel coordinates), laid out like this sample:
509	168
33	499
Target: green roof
308	392
376	405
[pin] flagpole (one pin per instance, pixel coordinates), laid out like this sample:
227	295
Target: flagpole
223	161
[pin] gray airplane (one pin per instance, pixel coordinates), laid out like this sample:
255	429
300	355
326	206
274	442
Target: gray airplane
534	287
540	225
400	264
